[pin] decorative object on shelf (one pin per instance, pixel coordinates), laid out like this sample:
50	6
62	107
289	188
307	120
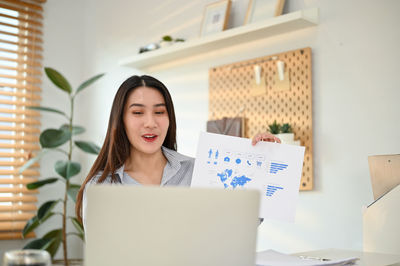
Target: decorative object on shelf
215	18
51	141
168	41
149	47
263	9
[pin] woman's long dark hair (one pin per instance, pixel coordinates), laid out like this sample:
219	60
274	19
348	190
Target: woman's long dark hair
116	147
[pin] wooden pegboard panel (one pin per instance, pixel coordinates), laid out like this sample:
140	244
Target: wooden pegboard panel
230	88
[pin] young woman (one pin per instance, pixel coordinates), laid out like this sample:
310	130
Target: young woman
140	144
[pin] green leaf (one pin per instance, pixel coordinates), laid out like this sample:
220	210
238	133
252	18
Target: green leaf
75	129
38	184
67	169
46	208
58	79
55	236
30	225
33	160
38	244
88	146
52	138
35	222
79	227
88	82
73	190
47	109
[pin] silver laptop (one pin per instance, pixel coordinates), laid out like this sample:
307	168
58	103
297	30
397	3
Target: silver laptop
149	226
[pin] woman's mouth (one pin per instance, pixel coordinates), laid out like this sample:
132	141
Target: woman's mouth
149	137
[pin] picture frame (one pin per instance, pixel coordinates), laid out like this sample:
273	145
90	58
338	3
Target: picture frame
259	10
215	18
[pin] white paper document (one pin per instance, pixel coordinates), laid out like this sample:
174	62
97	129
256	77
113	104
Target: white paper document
233	163
274	258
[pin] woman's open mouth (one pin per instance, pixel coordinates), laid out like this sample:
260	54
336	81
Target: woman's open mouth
149	137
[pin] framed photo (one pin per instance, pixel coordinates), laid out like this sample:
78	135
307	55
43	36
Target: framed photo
215	17
263	9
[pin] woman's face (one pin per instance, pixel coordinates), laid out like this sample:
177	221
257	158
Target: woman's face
146	120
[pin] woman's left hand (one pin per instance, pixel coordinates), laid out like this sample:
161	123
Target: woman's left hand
266	136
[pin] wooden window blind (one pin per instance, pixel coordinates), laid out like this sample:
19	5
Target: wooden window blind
20	82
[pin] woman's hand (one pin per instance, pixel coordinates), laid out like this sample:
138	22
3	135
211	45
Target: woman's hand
266	136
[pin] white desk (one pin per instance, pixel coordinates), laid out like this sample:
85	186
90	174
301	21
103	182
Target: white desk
366	258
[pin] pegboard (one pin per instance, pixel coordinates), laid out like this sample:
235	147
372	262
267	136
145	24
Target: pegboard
230	95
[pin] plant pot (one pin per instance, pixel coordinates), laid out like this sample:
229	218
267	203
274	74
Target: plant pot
72	262
288	138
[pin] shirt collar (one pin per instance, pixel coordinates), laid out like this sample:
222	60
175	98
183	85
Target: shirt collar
173	165
171	168
120	172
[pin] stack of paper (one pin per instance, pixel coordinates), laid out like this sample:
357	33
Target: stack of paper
273	258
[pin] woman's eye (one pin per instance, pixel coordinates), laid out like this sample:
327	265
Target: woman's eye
160	112
136	113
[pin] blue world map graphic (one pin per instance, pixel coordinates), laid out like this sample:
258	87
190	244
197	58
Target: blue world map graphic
230	181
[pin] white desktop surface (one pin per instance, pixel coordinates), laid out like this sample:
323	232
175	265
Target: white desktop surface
366	258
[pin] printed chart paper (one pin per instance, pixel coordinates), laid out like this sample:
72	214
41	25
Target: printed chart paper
233	163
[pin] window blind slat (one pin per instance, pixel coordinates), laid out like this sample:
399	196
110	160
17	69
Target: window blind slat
12	226
22	53
16	163
14	235
23	27
20	129
23	20
22	11
28	121
15	207
13	216
27	172
31	95
23	37
23	190
22	3
31	63
25	146
17	180
28	138
32	71
17	198
26	112
21	86
31	46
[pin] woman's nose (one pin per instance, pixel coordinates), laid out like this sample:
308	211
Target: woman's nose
150	122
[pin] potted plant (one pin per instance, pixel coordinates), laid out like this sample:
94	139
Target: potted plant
52	140
167	40
286	134
283	132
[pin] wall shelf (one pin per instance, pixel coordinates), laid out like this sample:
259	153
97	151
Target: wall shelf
259	30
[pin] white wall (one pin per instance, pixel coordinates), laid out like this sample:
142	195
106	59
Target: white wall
355	93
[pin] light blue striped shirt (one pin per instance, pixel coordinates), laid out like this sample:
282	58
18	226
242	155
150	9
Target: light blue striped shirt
177	172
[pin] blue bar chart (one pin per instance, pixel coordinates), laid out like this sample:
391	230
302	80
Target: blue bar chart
275	167
271	190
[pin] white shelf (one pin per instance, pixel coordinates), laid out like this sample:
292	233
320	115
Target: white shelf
263	29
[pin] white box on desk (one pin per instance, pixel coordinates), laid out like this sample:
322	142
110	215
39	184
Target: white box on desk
381	224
